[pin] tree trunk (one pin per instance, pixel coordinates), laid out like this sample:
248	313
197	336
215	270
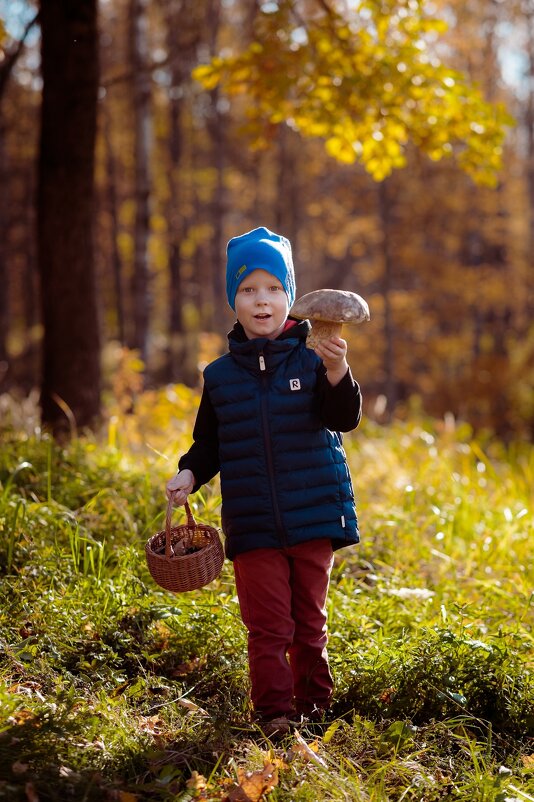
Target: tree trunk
4	273
389	356
70	391
287	196
176	349
216	125
115	257
529	125
142	139
528	310
218	138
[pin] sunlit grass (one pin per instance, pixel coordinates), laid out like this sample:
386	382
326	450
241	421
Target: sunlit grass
111	688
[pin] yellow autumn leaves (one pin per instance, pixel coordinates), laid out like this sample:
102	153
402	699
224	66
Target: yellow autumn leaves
366	81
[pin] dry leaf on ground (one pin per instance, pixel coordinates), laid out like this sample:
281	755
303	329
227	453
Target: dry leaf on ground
154	725
64	771
191	706
191	665
254	784
197	782
22	717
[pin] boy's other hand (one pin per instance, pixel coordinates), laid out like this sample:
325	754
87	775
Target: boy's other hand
333	352
179	487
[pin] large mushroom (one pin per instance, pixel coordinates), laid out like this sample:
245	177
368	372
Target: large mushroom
328	310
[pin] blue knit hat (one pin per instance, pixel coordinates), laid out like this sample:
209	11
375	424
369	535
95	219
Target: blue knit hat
259	249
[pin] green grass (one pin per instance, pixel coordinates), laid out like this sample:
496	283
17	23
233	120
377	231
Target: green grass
112	689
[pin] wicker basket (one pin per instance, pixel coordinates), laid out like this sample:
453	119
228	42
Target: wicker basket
176	571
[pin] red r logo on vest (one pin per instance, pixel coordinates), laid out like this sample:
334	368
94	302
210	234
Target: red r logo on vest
294	384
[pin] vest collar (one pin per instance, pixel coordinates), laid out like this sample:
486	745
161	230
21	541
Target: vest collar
298	331
260	351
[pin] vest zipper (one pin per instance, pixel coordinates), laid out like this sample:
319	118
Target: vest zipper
269	452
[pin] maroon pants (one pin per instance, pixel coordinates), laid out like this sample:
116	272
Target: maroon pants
282	596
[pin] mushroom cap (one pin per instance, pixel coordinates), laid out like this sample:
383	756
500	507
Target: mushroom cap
331	306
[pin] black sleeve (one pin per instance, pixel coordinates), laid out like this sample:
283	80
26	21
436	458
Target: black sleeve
340	407
203	456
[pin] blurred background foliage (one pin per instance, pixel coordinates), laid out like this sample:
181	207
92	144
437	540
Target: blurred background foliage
392	142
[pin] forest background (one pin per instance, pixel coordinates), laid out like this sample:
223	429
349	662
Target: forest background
185	159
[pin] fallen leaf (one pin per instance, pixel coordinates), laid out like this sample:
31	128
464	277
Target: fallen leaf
21	717
186	668
26	630
64	771
126	796
528	761
254	784
154	725
28	689
191	706
197	782
442	778
236	795
278	762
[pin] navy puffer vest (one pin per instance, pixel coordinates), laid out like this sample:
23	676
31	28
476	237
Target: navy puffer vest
284	477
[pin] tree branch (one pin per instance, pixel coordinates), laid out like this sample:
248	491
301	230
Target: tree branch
127	75
330	12
6	67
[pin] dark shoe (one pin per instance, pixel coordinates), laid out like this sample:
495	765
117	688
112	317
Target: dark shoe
276	727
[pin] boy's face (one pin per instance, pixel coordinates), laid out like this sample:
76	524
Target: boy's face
261	305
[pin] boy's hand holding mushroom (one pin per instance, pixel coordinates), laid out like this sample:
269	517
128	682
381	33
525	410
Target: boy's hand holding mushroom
333	352
328	310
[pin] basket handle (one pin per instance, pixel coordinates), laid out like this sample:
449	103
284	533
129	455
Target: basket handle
168	523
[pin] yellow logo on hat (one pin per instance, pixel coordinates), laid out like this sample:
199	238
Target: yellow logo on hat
240	271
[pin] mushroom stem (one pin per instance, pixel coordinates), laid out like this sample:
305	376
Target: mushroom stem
322	330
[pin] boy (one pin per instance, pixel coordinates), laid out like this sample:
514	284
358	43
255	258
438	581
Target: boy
268	421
